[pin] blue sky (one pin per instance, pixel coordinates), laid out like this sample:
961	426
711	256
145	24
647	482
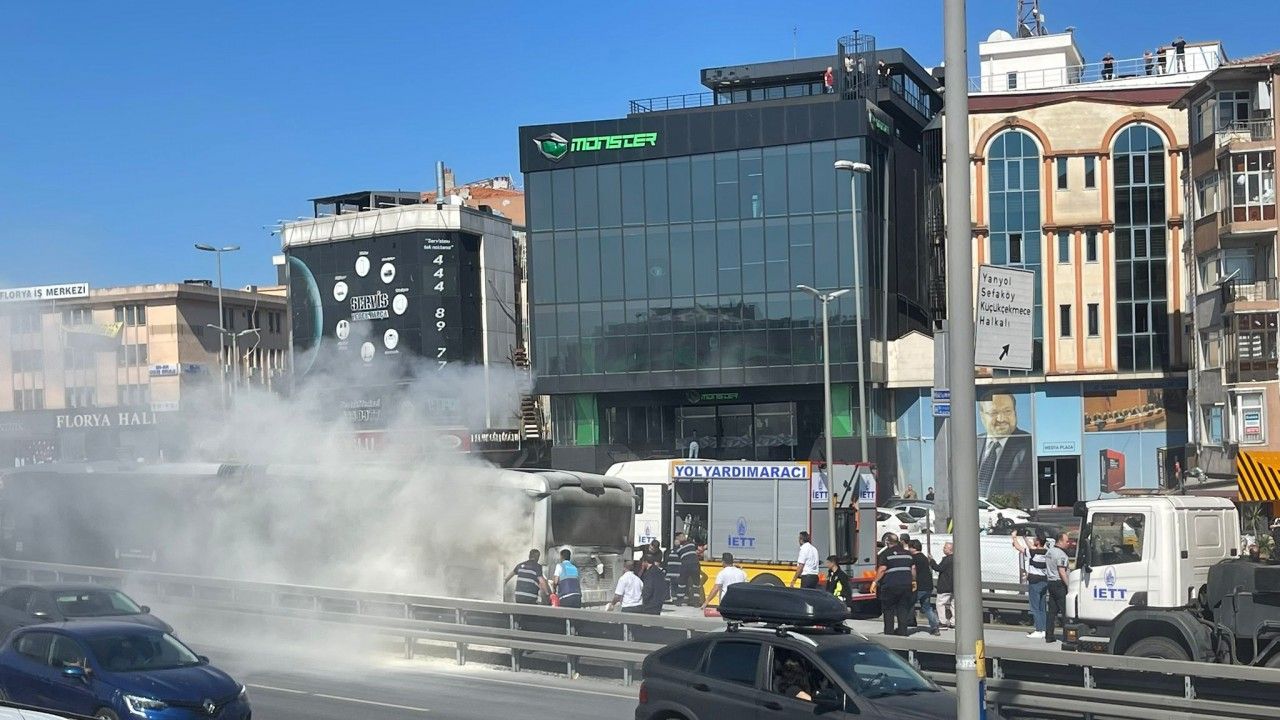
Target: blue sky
129	131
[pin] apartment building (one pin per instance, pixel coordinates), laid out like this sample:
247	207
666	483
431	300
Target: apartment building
1231	260
112	372
1075	168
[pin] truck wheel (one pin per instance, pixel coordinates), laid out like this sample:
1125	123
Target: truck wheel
767	579
1157	647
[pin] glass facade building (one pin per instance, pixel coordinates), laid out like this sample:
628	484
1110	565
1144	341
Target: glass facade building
665	251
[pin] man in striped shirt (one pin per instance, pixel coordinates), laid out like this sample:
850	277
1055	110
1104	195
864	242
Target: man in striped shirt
530	582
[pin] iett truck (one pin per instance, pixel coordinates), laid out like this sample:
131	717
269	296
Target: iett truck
1161	576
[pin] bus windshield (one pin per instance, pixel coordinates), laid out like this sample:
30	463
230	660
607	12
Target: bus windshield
579	519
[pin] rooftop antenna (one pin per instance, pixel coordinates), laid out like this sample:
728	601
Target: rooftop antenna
1030	19
794	38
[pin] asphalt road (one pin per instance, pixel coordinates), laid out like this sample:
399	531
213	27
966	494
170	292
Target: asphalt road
308	689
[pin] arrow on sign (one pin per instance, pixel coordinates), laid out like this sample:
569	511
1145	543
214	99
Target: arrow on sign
1004	351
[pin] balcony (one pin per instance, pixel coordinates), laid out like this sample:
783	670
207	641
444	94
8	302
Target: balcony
1258	130
1198	61
1250	294
908	90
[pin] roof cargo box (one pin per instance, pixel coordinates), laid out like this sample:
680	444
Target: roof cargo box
745	602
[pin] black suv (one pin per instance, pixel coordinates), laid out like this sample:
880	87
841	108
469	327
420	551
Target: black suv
767	666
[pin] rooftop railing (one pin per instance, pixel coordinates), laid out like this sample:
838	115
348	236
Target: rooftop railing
1197	60
897	84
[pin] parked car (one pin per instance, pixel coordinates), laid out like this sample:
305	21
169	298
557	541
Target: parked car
890	520
989	514
13	713
766	663
112	670
921	511
23	605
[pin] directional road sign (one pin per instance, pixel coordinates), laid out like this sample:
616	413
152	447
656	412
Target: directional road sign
1006	317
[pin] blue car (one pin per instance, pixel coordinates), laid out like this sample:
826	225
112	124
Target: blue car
114	671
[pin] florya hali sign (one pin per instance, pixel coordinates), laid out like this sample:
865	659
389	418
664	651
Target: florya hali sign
1006	312
554	147
105	419
45	292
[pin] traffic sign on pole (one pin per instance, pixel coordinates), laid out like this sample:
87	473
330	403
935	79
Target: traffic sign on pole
1006	317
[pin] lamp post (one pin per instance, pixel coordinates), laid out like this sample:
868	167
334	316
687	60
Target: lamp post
223	332
222	369
826	298
854	169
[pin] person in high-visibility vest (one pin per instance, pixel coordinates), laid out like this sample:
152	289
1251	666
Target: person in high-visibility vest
838	580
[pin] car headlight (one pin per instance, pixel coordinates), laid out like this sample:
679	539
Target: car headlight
139	705
244	693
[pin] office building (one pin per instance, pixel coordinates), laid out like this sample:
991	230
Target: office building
666	247
118	373
1230	116
1075	167
389	292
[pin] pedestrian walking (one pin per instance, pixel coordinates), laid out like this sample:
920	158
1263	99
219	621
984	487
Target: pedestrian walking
924	586
1148	60
653	592
806	564
1037	580
729	574
567	585
690	572
838	582
1057	568
629	591
946	583
531	583
828	81
894	584
1161	54
1180	53
1108	67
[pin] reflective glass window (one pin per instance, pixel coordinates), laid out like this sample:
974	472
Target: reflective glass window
587	208
826	182
750	184
775	181
632	194
589	265
799	180
611	264
655	192
658	253
1138	159
562	201
678	190
704	187
726	165
634	263
566	267
752	234
610	194
682	268
729	258
538	190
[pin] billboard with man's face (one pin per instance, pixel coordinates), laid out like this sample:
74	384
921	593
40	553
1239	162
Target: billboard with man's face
1006	454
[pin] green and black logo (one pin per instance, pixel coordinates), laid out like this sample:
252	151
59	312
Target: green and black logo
552	146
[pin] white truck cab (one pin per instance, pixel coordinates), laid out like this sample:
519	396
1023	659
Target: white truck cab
1139	556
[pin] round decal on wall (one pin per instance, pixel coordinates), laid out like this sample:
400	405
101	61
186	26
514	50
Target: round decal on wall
362	266
388	272
400	303
366	352
343	329
391	338
339	291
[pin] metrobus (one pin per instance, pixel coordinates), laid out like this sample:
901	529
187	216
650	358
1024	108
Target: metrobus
430	530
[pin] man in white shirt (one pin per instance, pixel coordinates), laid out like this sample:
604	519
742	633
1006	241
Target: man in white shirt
627	592
730	575
806	564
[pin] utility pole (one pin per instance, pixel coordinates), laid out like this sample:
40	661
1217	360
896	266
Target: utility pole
970	657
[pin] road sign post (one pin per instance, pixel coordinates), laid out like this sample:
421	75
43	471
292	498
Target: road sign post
1006	317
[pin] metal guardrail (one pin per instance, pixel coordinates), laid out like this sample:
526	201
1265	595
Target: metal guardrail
1049	683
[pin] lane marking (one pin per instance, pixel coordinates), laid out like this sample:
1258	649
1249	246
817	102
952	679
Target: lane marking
558	688
276	689
369	702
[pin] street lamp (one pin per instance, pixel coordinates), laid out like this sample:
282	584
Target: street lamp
222	370
854	169
826	298
222	332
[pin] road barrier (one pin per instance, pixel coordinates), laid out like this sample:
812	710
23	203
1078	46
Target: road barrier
1022	682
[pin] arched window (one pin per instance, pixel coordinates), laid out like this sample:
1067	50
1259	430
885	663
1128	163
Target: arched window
1142	250
1013	162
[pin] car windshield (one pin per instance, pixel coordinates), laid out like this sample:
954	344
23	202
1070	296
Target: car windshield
141	651
874	671
95	603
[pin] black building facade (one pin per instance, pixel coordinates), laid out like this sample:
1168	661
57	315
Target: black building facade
666	247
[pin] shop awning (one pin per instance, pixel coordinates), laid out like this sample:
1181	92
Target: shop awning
1258	476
